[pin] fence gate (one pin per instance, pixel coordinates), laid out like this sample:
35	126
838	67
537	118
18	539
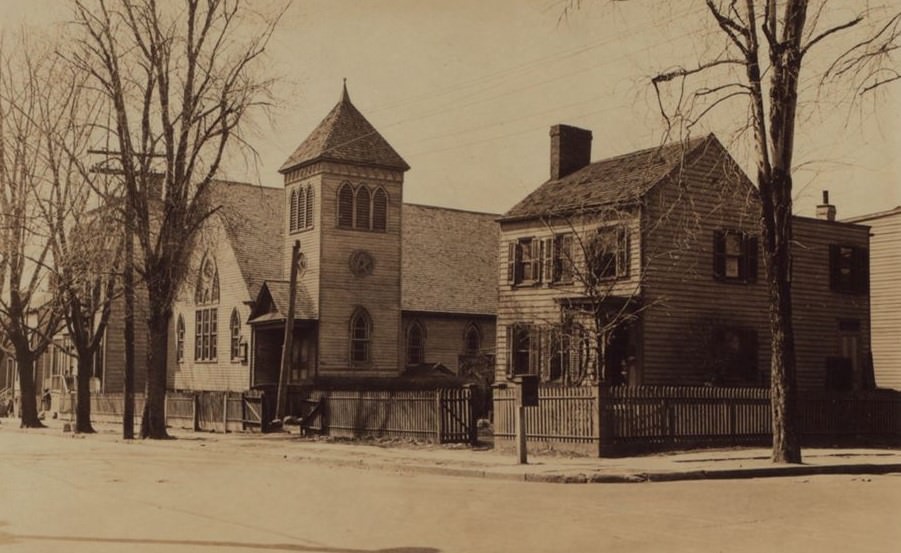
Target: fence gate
252	411
456	421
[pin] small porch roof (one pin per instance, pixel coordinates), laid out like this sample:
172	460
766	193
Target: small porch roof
272	302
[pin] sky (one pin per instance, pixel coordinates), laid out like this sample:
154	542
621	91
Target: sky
466	92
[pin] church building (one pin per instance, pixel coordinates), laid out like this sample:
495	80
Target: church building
385	290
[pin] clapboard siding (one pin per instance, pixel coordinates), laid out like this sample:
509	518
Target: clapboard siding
225	373
114	344
310	239
682	297
444	336
885	295
816	308
535	303
341	292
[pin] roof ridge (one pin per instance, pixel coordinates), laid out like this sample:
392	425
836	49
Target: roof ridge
457	209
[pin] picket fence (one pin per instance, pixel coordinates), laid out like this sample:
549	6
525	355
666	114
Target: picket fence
614	421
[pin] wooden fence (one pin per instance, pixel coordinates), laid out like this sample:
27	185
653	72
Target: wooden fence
613	421
442	416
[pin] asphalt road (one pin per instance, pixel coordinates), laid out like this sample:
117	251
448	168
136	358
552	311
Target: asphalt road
89	495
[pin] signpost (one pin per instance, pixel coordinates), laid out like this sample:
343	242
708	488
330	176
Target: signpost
526	396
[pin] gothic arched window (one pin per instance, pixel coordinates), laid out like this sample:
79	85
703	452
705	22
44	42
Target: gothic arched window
360	336
362	209
292	221
206	323
472	340
235	330
379	210
308	207
300	208
346	206
415	344
180	339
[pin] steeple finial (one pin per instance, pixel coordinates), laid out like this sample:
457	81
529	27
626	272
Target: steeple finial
345	97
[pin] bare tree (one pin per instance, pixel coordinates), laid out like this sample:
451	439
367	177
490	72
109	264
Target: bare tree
84	223
29	314
590	250
181	81
766	45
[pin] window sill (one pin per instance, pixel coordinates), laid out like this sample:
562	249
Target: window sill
372	231
302	230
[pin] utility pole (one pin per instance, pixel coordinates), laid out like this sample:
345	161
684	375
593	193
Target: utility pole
128	285
288	342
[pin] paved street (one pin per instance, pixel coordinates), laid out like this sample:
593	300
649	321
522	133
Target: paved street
73	494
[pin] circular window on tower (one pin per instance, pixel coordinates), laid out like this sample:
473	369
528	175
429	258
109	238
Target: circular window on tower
301	264
361	263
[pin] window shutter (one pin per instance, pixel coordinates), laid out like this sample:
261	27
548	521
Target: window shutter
834	256
622	252
548	259
566	258
536	259
751	255
511	262
719	254
509	350
860	270
534	349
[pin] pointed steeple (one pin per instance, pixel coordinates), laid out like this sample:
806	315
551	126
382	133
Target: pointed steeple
345	97
345	136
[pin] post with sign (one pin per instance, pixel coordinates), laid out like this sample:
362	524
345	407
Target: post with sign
526	396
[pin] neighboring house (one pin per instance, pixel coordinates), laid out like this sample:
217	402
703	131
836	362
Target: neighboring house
386	290
648	266
885	294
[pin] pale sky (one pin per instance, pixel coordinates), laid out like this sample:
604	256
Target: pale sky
466	92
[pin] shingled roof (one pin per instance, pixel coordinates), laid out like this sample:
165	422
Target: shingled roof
449	260
345	136
252	217
618	179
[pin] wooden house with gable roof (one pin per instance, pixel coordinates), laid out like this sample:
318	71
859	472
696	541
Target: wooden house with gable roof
645	269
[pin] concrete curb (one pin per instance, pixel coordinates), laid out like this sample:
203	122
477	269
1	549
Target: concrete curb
576	477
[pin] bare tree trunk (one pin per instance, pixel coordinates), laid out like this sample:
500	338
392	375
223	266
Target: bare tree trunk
27	389
153	423
83	395
777	234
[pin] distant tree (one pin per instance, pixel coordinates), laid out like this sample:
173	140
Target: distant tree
29	312
766	46
181	79
83	213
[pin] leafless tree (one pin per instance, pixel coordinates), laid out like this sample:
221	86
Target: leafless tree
766	46
181	79
82	210
590	252
29	314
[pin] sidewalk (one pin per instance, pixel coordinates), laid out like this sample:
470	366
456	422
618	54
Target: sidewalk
488	463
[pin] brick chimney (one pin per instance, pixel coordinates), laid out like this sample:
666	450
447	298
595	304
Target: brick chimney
570	150
826	211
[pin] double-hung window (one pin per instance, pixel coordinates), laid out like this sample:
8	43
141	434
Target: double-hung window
849	269
734	256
